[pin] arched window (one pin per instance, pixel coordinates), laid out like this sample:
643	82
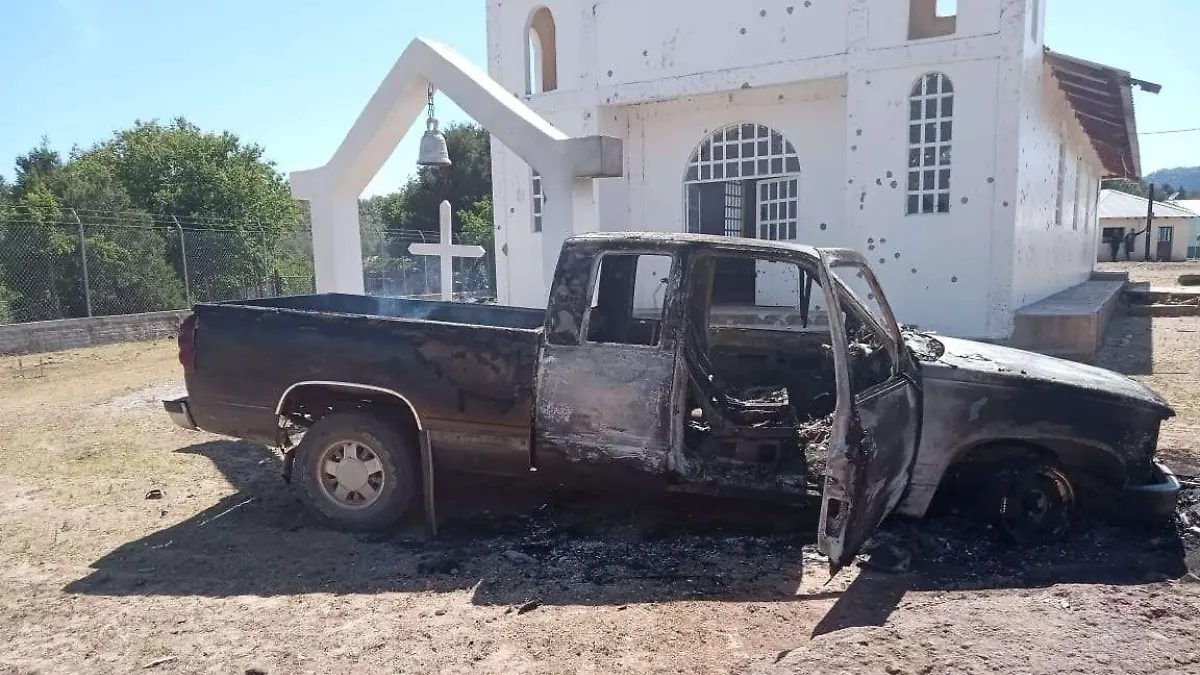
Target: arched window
541	72
930	131
744	180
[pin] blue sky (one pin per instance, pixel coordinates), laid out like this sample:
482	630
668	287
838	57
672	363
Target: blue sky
292	75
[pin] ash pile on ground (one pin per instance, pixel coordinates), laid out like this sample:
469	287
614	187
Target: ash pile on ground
579	549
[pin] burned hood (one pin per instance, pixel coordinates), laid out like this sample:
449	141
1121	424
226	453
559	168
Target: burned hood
968	361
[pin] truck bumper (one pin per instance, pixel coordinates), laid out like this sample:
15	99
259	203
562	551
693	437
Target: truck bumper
1155	501
180	415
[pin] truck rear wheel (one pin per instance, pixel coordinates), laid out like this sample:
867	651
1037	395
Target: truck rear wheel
356	472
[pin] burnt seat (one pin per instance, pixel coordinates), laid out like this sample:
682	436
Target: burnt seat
725	406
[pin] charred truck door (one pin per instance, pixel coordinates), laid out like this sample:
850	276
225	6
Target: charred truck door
607	366
878	420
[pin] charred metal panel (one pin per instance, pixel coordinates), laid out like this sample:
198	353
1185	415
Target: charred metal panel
603	403
247	356
1096	421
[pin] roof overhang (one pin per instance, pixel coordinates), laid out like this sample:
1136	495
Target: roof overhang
1102	98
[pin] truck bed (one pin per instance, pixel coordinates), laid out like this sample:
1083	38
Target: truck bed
469	369
399	308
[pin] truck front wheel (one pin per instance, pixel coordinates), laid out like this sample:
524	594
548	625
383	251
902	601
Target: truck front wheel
356	472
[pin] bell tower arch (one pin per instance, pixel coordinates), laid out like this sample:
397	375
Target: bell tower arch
567	164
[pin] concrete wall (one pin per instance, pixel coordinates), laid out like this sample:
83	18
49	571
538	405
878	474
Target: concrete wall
1051	253
1179	246
48	336
834	77
926	262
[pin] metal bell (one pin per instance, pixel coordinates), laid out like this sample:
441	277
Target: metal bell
433	146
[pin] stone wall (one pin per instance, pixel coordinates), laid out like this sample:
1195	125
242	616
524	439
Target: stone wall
49	336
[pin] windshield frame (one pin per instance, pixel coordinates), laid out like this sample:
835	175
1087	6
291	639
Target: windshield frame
889	334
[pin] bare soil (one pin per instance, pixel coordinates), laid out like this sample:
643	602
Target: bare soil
219	571
1158	274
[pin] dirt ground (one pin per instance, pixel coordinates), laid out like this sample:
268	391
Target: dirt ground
1155	273
222	573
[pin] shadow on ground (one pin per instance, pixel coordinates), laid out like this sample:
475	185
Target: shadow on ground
511	546
1128	345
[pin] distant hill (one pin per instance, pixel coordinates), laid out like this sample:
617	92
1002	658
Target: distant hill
1186	177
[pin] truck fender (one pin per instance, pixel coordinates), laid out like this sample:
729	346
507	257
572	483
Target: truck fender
426	459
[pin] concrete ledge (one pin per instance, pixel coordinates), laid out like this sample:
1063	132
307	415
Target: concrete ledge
49	336
1069	324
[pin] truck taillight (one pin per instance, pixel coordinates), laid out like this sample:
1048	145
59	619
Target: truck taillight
187	343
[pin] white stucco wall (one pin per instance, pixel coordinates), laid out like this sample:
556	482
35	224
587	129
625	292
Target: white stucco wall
1050	255
834	78
943	258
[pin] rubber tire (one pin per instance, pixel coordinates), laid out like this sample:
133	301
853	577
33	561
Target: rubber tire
396	452
1013	475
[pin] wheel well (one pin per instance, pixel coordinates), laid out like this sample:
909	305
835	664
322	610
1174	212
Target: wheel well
305	404
1089	467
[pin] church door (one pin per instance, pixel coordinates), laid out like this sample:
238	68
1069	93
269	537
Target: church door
743	181
717	208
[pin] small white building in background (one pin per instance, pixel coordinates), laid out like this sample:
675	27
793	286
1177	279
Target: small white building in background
946	143
1193	233
1122	213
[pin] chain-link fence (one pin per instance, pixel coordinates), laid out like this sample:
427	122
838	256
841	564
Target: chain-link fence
78	265
389	268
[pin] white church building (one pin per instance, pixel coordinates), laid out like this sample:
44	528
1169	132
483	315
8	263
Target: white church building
941	139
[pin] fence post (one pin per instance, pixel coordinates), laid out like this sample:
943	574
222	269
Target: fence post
187	282
87	287
266	265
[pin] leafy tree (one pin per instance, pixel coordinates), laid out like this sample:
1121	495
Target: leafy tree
478	224
34	267
178	170
239	224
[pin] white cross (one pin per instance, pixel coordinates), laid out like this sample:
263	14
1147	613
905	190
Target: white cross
447	251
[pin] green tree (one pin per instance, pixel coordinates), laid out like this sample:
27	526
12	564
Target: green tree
204	178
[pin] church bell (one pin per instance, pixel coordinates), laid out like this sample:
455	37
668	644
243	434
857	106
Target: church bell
433	144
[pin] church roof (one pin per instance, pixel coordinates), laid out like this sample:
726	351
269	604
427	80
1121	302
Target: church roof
1117	204
1102	97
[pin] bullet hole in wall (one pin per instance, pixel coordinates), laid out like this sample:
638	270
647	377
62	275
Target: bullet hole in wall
914	270
762	12
954	280
894	184
896	256
889	174
823	226
743	31
791	9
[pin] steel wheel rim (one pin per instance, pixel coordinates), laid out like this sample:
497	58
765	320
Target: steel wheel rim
351	475
1037	505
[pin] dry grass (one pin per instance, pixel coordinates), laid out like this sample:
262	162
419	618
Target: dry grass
224	574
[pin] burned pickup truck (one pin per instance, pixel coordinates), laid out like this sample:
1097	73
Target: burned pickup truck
640	373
